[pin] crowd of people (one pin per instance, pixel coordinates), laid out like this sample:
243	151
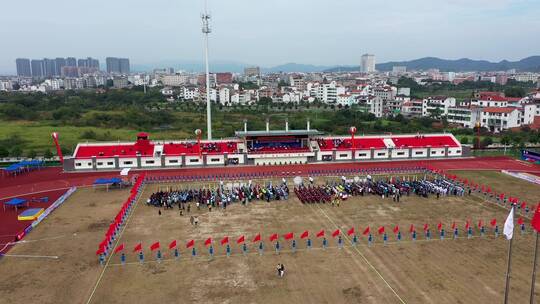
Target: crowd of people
220	196
394	188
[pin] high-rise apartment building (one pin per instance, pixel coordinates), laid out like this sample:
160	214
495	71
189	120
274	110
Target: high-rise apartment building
367	63
117	65
252	71
71	62
59	63
49	67
37	68
23	67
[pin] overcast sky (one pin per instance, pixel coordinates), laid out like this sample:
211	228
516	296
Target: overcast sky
270	32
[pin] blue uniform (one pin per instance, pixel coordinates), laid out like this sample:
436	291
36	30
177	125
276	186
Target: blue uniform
308	244
469	232
244	248
294	245
340	242
442	234
385	238
261	248
228	250
428	235
158	256
496	231
211	251
370	239
277	246
176	253
399	236
354	240
414	235
141	257
193	252
456	233
324	243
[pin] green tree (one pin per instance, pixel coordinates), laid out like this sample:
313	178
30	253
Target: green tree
47	154
486	141
465	140
16	151
31	154
3	152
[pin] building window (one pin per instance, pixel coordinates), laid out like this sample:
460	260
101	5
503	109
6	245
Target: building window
173	161
433	152
128	163
362	154
194	160
100	163
343	155
214	160
381	154
419	152
149	162
110	163
401	153
78	164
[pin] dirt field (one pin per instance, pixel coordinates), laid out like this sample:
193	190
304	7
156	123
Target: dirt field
449	271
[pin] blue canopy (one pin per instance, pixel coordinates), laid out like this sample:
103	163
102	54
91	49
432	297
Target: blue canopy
15	202
23	164
106	181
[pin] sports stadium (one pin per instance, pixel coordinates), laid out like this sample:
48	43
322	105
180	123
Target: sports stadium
352	219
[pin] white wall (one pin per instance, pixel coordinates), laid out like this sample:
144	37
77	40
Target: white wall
419	153
215	159
124	162
343	155
172	161
321	153
83	164
277	161
105	163
396	153
454	152
193	161
362	154
383	154
150	162
437	152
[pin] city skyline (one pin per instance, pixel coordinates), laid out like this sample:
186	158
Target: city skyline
242	29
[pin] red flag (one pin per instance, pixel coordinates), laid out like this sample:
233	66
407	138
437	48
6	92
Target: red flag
523	205
241	240
467	225
366	231
172	244
535	222
381	230
320	233
101	250
154	246
257	238
396	229
119	248
288	236
412	229
350	231
304	234
208	241
453	225
190	244
138	247
520	221
336	233
273	237
493	222
225	240
426	227
480	224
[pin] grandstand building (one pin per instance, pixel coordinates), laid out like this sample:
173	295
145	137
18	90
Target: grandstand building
269	147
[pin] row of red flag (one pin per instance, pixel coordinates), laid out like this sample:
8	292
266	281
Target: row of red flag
485	189
118	220
322	233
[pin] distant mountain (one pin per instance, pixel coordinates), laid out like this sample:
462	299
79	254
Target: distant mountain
296	67
529	64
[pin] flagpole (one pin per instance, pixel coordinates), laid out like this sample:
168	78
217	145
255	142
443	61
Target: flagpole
534	268
506	290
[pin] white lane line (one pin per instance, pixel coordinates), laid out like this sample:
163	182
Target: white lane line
364	258
54	257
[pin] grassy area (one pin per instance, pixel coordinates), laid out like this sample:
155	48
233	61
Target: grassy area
501	182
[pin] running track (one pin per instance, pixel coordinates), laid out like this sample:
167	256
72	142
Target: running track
53	178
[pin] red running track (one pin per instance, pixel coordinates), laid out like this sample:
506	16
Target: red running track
53	178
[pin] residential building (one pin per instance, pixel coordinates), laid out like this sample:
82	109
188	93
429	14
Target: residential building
224	78
71	61
23	67
252	71
367	63
59	63
499	119
399	70
174	80
37	68
437	106
412	108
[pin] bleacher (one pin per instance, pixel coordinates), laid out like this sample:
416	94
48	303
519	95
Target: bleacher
420	141
191	148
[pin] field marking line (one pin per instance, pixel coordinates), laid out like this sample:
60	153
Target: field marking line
42	191
115	245
54	257
364	258
36	240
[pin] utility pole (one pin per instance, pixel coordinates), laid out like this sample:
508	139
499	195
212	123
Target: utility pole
206	30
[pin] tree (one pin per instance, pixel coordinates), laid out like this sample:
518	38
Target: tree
3	152
465	140
31	154
514	92
486	141
47	154
16	151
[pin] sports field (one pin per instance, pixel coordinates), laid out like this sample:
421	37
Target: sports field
449	271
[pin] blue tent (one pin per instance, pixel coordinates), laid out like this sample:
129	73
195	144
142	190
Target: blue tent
107	181
23	165
15	202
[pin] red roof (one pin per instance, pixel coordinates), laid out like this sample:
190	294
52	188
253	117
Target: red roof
498	110
346	144
424	141
193	149
112	150
492	98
